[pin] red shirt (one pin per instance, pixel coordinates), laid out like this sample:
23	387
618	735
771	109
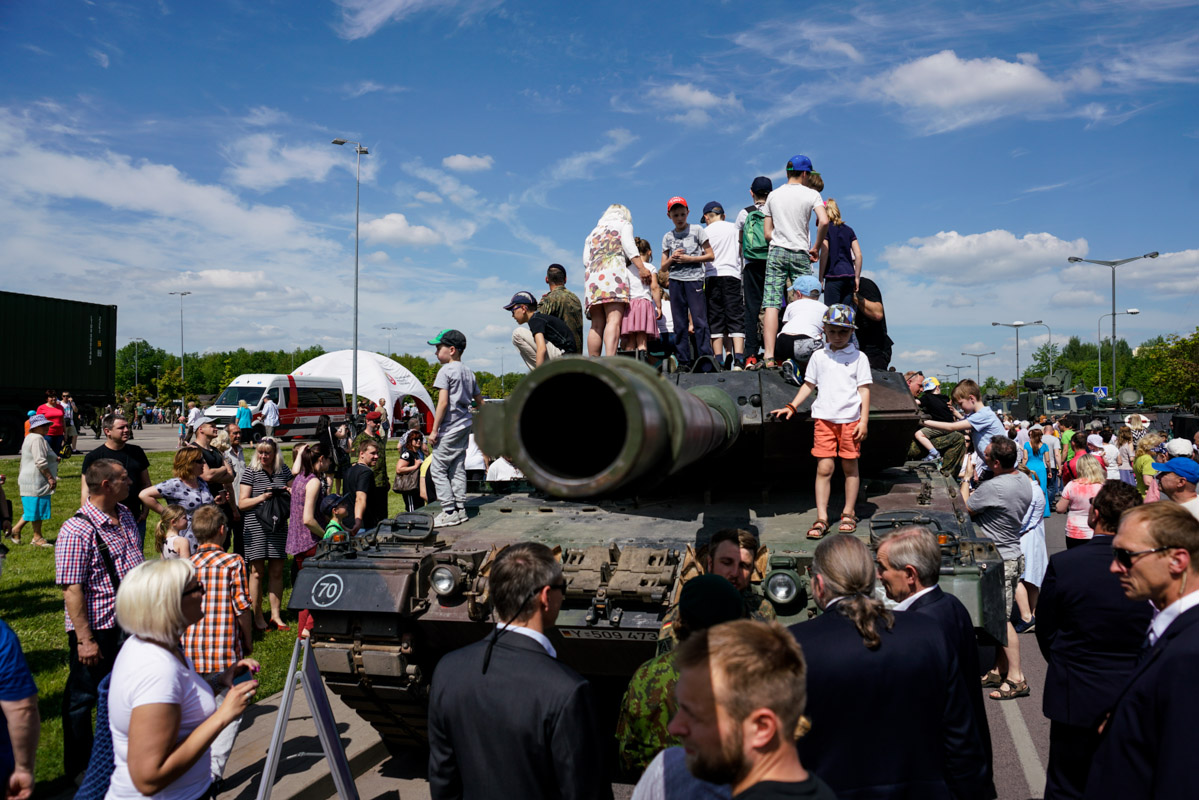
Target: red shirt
54	414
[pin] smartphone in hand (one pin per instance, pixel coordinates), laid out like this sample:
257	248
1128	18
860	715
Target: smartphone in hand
242	675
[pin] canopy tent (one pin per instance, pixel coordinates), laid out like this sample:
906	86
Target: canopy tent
378	377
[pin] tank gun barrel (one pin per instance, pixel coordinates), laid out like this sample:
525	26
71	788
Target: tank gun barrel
580	427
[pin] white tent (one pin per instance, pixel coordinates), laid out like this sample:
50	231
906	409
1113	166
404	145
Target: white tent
378	376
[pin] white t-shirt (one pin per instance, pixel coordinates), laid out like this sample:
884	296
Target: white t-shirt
837	374
726	249
804	317
1111	457
145	673
170	548
666	321
637	289
502	470
790	210
474	456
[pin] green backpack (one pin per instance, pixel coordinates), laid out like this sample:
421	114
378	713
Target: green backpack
753	235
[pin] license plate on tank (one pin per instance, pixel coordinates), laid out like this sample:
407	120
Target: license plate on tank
607	633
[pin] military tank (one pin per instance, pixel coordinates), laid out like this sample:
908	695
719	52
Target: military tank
628	473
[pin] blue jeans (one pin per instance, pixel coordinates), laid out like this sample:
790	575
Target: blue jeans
838	290
688	296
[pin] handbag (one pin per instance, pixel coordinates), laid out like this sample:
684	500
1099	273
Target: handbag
406	482
274	512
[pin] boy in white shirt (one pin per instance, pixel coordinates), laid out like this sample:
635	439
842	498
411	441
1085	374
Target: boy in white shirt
722	286
842	374
788	211
803	327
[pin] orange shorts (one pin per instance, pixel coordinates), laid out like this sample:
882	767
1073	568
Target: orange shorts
835	440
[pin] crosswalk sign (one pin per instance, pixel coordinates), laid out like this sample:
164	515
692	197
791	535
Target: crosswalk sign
1101	391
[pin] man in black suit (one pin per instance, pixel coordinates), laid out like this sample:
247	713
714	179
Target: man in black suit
1091	636
908	562
506	718
871	670
1147	747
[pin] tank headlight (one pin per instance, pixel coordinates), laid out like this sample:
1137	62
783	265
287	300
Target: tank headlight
445	579
782	586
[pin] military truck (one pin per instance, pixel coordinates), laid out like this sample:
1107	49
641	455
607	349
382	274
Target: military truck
629	474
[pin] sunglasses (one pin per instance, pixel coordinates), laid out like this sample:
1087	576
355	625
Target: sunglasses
1125	557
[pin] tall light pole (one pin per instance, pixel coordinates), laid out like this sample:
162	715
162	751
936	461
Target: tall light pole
135	375
361	151
1099	337
978	360
1113	315
389	329
501	352
958	378
182	373
1017	325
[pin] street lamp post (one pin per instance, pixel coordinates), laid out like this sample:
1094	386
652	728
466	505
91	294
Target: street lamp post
958	377
136	380
182	368
389	329
1113	315
361	151
1099	338
1017	325
978	360
1046	327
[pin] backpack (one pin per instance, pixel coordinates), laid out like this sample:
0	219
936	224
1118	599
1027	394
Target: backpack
753	235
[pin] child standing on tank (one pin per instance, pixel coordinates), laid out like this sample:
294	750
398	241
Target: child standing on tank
451	426
685	251
841	372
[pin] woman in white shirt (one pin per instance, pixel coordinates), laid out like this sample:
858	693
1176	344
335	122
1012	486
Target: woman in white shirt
162	715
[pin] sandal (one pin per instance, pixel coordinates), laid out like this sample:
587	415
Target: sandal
849	524
769	363
819	528
1014	690
992	680
15	539
42	543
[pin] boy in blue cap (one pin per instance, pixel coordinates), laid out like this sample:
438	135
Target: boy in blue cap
451	426
788	211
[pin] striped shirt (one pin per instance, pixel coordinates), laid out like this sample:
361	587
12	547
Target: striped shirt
214	643
76	560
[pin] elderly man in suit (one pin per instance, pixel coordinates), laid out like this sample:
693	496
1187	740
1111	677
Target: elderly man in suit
1147	747
506	718
1091	636
868	668
908	562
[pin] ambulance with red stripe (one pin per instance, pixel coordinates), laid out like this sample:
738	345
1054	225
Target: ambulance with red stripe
301	400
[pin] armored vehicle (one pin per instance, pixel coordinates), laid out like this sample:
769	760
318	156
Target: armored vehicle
629	473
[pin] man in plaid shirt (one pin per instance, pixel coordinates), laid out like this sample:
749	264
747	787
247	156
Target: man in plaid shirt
82	571
224	635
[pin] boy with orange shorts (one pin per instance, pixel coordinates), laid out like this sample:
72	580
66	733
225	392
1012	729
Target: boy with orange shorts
841	372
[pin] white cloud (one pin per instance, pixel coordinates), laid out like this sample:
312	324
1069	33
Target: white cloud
366	87
689	104
264	116
917	355
862	201
395	230
1162	61
1077	297
362	18
972	259
261	163
377	257
100	57
241	280
464	163
428	197
942	92
579	165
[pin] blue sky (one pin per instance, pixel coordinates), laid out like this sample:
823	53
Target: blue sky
151	147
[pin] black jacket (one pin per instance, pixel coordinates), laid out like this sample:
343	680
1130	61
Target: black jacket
1148	746
527	728
954	621
893	722
1089	633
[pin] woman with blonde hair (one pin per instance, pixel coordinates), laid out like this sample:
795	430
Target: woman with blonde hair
607	252
162	715
840	258
1142	466
1076	499
265	500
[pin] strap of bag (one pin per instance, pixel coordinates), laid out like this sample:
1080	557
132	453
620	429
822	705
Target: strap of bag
102	548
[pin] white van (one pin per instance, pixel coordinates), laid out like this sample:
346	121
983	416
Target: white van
301	400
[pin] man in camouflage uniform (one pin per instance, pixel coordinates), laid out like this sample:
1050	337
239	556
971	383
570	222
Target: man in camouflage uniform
731	555
649	703
376	500
562	303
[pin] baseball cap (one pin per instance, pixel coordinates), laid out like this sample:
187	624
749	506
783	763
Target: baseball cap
332	501
1179	447
761	185
799	164
374	416
930	384
713	206
1184	468
806	284
521	299
842	316
201	420
1095	440
676	201
450	338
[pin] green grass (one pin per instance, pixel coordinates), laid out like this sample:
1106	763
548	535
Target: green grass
33	606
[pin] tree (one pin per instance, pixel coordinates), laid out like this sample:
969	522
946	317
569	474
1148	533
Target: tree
1166	369
170	386
1042	357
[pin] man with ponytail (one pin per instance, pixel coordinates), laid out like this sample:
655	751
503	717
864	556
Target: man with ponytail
870	669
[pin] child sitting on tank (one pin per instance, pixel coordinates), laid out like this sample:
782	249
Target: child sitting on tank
980	420
803	328
840	375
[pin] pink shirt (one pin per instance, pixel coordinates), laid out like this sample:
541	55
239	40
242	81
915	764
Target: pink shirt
1080	496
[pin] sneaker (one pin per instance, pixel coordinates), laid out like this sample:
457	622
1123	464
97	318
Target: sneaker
933	455
444	520
461	515
791	372
1026	627
751	363
737	366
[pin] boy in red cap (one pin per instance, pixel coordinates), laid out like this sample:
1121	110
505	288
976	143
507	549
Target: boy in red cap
685	250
